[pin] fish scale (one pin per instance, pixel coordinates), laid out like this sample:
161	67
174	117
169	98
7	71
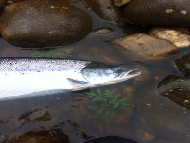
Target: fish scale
36	64
28	77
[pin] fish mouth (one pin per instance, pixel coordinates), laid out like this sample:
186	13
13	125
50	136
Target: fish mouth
134	72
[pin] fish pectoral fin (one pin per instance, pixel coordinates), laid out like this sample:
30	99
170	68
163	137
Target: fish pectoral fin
75	82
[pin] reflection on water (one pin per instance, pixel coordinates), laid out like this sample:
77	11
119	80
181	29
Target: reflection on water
110	139
157	108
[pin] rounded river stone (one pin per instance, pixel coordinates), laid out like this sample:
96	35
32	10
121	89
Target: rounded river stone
2	2
158	12
43	23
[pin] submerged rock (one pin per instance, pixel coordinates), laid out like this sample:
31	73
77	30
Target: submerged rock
110	139
41	136
144	136
43	23
105	9
160	116
15	1
159	12
2	2
177	89
183	65
146	45
103	31
177	36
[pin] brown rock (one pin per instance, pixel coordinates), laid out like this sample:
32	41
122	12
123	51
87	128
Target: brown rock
104	9
2	2
176	89
41	136
177	36
120	3
146	45
103	31
16	1
43	23
158	12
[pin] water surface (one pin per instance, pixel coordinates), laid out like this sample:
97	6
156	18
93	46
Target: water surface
68	118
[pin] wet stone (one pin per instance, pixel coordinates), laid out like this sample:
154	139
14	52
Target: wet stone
105	9
43	23
120	3
13	1
2	2
146	45
177	89
183	65
8	2
158	12
103	31
177	36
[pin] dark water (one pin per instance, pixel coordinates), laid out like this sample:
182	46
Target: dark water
67	118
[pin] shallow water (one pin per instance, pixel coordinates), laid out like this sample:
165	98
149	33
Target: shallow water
150	118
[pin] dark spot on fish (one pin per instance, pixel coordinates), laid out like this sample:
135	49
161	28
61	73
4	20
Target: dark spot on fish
99	65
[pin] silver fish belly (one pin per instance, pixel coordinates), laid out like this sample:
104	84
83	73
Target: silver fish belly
26	77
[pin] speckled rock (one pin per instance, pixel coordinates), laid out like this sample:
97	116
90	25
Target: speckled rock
161	116
146	45
159	12
104	9
177	89
177	36
43	23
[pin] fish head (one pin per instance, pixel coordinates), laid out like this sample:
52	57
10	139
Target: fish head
110	74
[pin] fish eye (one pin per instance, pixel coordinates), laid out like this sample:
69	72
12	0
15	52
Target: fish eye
119	71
